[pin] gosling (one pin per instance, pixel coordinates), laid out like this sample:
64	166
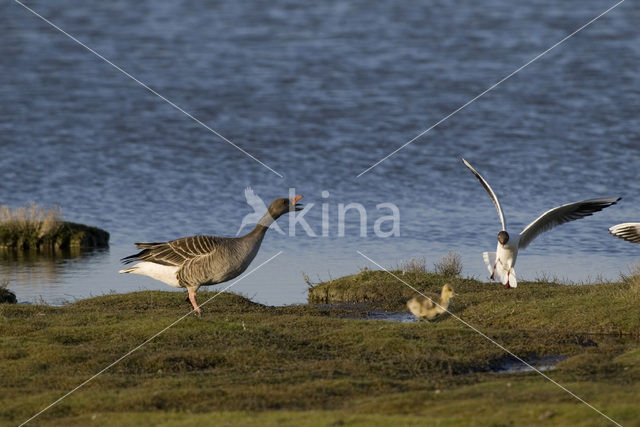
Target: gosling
424	308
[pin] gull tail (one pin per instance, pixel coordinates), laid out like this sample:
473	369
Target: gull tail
513	283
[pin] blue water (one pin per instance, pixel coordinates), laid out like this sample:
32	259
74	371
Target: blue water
319	92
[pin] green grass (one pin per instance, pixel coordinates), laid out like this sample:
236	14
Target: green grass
245	363
611	308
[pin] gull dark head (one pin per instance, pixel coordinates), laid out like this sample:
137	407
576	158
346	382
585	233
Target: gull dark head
503	237
282	206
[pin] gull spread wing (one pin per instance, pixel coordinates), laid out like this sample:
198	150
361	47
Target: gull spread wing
629	231
486	186
562	214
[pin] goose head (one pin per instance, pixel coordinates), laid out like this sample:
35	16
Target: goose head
503	237
282	206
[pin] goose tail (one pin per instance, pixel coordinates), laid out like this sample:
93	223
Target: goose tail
146	248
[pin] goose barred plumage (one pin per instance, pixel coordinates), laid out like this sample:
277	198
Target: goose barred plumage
192	262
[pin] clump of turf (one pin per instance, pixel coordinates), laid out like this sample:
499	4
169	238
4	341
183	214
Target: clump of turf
383	290
39	228
6	296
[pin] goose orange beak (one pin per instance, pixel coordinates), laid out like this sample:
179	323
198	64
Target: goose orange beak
298	206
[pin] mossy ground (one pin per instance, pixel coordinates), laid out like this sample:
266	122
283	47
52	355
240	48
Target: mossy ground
245	363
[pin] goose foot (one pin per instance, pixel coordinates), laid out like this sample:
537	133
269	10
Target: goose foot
196	308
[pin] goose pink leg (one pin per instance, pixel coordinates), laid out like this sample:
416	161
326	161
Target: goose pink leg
196	308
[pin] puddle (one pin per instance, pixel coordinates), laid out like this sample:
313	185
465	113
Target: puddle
363	311
511	366
391	316
402	317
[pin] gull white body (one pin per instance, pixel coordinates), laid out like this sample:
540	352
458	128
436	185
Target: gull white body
501	262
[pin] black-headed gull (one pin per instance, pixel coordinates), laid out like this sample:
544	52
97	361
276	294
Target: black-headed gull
629	231
502	261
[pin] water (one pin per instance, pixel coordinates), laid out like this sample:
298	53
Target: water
319	92
392	316
514	366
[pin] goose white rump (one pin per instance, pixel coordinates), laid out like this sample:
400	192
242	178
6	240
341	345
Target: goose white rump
501	263
164	273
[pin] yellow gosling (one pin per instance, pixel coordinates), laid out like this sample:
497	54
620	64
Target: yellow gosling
424	308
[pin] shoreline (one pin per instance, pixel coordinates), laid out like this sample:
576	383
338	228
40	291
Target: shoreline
542	280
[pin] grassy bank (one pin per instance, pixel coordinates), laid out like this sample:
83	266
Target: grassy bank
245	363
39	228
609	308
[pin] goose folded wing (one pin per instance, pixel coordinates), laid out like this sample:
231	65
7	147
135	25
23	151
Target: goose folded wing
177	252
223	262
563	214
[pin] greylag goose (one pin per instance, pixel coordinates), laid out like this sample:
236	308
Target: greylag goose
424	308
629	231
192	262
502	261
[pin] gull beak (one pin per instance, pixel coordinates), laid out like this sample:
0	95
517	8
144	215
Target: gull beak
298	206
